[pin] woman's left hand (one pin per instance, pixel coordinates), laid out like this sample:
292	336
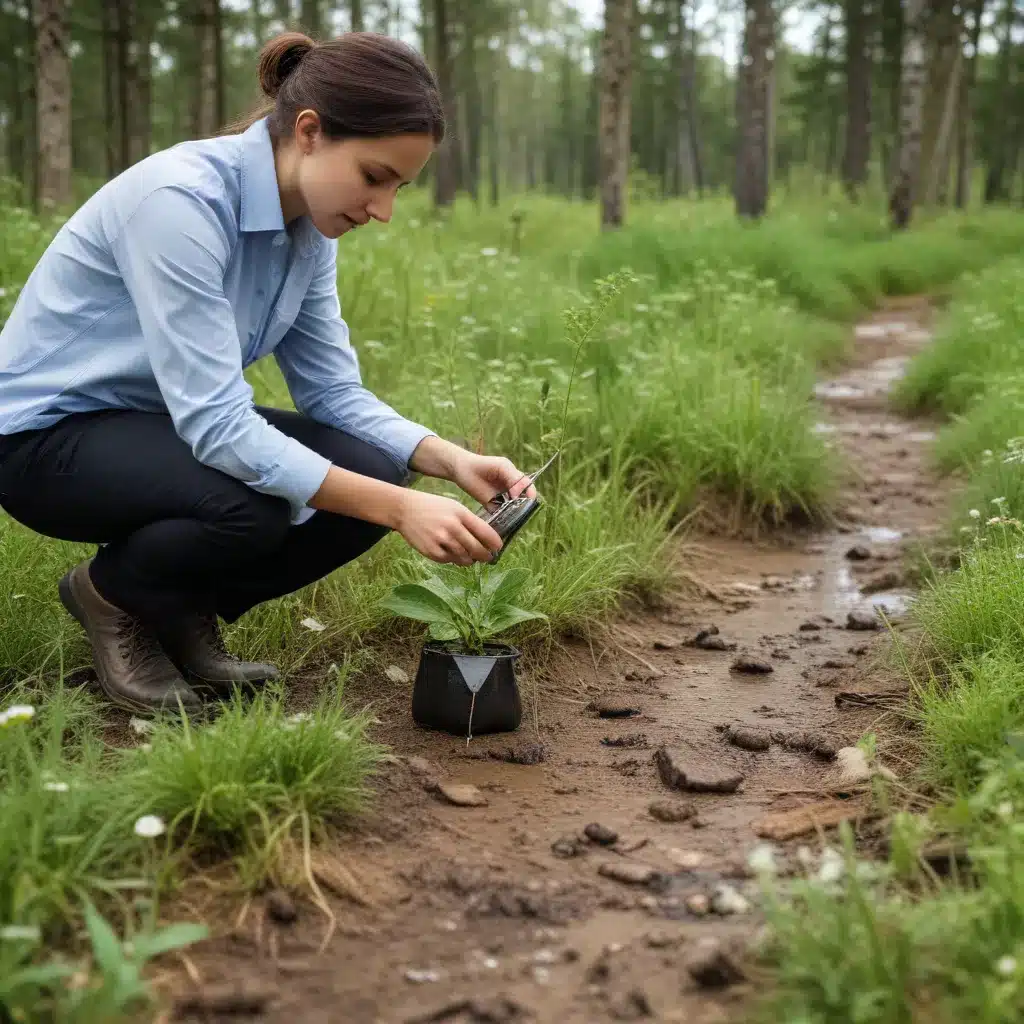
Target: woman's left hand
484	476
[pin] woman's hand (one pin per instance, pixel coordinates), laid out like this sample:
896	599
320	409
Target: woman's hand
444	530
484	476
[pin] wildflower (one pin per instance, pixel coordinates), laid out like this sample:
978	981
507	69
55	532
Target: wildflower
974	514
55	787
1005	809
17	713
762	859
20	933
149	826
1006	965
831	867
999	501
489	252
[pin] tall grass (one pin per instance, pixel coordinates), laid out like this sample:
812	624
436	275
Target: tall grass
894	943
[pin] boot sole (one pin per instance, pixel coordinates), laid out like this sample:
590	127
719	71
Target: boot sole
71	605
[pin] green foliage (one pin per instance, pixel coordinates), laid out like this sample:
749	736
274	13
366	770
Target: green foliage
472	606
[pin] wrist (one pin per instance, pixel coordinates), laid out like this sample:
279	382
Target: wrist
436	457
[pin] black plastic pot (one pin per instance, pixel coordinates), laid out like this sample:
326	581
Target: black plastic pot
443	693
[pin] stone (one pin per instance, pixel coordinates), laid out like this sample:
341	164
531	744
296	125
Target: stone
810	626
665	645
461	795
634	1005
711	966
852	767
397	675
629	872
601	834
613	707
863	621
671	811
858	553
728	900
568	847
747	738
698	904
749	665
678	772
281	907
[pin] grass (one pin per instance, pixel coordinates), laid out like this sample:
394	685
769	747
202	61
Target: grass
678	386
894	943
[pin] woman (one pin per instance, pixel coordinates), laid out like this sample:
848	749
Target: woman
125	420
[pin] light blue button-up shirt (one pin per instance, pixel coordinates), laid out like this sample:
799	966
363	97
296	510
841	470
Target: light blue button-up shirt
163	287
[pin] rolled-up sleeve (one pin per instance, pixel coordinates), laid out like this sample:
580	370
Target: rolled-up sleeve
172	253
322	370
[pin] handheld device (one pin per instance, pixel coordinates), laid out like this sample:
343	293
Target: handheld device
507	515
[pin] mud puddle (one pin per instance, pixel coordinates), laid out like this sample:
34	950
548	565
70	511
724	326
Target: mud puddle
514	910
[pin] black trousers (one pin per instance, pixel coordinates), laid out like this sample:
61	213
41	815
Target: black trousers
179	537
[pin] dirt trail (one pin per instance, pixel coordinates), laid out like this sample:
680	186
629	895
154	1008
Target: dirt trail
474	916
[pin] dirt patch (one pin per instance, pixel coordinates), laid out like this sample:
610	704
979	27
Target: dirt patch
508	909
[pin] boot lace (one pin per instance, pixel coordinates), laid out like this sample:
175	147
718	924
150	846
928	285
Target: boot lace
138	644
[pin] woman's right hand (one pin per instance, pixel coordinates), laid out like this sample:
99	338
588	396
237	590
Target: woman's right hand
444	530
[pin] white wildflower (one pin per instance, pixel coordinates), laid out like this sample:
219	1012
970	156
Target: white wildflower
17	713
489	251
974	514
149	826
999	501
762	859
56	787
20	933
1006	965
1005	809
831	868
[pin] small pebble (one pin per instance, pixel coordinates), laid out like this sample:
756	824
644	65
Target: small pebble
397	675
751	666
727	900
711	966
601	834
422	977
461	795
698	904
858	553
671	811
281	907
863	621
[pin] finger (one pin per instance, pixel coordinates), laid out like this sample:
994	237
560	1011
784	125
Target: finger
474	549
486	535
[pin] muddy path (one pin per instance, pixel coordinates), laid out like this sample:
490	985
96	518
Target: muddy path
505	912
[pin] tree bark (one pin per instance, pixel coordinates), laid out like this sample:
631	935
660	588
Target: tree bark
446	173
965	133
313	18
142	108
356	12
995	180
687	151
613	117
111	79
912	82
753	110
209	108
53	104
859	60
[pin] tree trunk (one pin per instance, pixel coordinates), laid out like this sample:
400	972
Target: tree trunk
53	103
613	117
912	82
937	189
859	60
995	179
142	108
313	18
111	79
446	174
125	79
474	119
753	109
965	133
209	108
356	11
494	136
687	160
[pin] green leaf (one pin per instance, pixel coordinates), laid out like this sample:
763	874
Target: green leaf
452	593
415	601
443	632
511	583
509	616
105	945
174	936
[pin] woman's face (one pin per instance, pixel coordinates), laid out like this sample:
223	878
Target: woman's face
350	182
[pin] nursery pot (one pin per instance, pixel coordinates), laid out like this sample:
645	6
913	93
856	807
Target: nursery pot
447	679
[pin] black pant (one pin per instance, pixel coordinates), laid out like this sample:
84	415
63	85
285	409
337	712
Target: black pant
179	537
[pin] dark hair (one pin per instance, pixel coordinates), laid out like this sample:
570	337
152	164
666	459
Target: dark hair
360	84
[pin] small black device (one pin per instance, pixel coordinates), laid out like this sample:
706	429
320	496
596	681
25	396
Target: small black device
507	515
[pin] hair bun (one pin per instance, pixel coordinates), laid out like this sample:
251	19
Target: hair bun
279	58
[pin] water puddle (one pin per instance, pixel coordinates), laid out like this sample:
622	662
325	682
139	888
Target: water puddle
833	389
921	436
840	590
880	534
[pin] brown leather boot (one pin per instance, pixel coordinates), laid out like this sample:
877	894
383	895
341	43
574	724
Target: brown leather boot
196	646
133	670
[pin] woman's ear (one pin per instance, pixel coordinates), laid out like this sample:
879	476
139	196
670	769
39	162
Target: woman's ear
307	131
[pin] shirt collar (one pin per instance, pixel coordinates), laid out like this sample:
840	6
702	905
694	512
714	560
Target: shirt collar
261	201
